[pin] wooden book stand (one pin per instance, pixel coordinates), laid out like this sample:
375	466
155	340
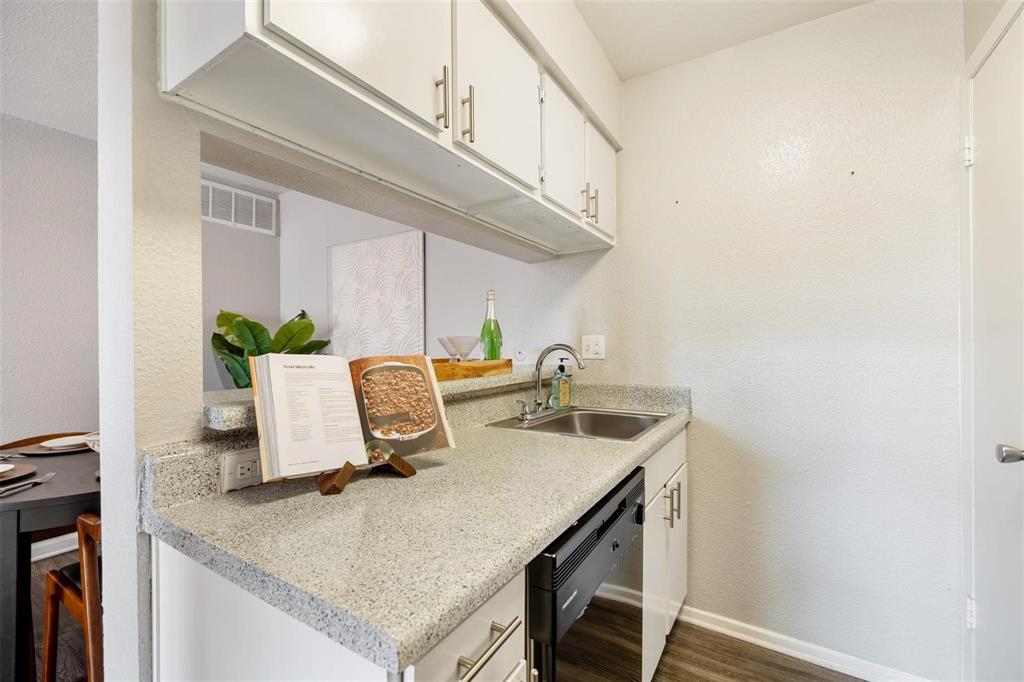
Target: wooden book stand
333	482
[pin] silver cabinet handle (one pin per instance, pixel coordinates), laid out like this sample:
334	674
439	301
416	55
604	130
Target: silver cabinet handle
471	101
586	200
474	667
597	207
679	500
671	518
1006	454
443	84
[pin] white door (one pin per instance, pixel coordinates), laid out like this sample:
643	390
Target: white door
498	100
655	540
995	327
601	180
675	548
564	161
400	48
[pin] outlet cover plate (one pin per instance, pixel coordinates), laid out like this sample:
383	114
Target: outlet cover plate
593	346
240	469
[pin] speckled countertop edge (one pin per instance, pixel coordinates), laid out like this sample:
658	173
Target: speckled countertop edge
390	649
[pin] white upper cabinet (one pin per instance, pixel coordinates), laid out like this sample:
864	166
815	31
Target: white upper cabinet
600	176
498	99
563	131
400	49
430	110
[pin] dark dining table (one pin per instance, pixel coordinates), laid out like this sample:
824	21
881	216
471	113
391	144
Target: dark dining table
55	504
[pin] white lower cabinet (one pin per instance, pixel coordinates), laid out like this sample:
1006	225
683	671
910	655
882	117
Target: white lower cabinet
665	538
675	547
494	635
654	588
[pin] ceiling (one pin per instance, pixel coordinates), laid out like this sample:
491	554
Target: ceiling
641	36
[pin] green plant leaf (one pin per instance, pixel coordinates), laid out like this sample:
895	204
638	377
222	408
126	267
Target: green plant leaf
303	315
238	368
222	345
225	321
291	335
311	347
252	336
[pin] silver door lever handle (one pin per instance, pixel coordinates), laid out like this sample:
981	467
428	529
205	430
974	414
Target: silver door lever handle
1008	455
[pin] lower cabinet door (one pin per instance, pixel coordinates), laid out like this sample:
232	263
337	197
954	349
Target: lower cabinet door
675	578
654	598
483	639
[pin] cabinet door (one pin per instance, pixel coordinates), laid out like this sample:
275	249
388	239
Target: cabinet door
399	48
601	176
675	574
563	132
655	545
498	99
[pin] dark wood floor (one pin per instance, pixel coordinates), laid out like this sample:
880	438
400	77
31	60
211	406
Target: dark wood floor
698	655
70	644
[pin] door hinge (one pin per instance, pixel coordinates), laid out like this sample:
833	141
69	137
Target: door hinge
540	94
971	614
540	174
968	150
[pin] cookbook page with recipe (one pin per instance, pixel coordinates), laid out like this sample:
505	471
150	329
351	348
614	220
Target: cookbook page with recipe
400	405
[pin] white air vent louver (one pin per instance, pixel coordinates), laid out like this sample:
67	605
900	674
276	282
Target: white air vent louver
239	208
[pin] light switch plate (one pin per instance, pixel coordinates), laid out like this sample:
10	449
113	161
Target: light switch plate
593	346
240	469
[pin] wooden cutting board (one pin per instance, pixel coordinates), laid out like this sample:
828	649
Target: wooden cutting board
445	370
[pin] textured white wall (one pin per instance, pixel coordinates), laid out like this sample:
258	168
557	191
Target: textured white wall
309	226
788	247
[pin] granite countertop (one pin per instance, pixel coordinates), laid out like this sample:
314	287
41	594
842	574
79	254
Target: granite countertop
391	566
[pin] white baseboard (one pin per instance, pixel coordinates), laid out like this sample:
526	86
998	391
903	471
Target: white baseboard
790	646
44	549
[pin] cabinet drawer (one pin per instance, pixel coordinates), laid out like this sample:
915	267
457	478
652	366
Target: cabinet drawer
475	637
662	464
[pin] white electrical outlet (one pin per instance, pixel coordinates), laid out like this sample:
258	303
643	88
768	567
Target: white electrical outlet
593	346
240	469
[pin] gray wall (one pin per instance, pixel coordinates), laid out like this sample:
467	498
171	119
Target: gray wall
48	298
241	273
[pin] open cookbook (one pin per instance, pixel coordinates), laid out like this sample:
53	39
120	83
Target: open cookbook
316	412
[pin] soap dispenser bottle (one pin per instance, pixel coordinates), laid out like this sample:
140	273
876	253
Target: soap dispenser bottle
561	387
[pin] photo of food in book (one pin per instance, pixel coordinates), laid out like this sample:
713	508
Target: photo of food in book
400	403
316	412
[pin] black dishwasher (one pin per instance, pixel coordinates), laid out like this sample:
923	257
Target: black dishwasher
585	604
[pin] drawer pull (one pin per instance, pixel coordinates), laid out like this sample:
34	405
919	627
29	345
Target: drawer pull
474	667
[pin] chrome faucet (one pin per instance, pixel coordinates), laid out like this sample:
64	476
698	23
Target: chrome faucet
538	401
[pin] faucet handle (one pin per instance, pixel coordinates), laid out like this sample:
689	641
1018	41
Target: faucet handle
522	409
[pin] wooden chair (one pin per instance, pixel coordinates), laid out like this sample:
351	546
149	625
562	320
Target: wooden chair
32	440
77	587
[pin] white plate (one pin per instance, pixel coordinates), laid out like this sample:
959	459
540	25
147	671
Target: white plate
4	468
65	442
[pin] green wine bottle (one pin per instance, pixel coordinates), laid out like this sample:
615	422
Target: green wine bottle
490	335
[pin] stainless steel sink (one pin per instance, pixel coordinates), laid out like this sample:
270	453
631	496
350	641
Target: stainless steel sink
589	422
